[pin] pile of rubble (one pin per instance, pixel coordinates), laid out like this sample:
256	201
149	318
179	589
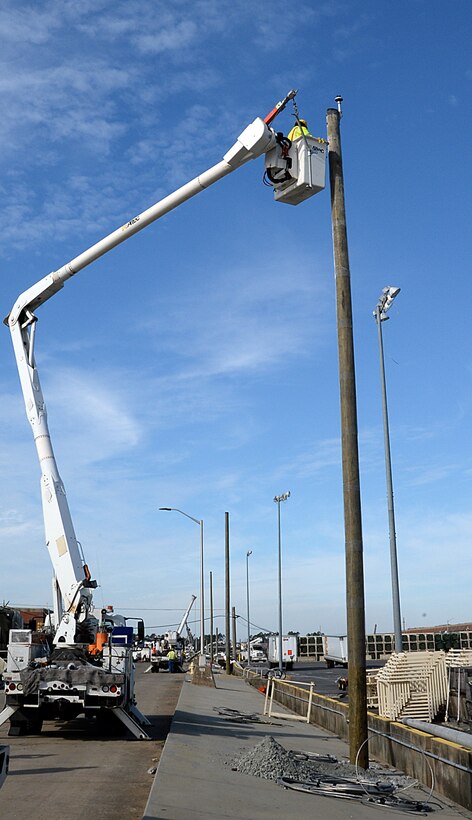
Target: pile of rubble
268	759
324	775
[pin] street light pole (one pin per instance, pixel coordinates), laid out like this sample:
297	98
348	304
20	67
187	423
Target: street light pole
380	315
198	521
211	619
249	552
278	499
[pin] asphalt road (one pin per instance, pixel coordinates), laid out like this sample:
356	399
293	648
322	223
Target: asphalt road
325	679
71	771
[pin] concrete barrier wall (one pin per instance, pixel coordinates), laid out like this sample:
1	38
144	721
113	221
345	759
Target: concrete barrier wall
433	761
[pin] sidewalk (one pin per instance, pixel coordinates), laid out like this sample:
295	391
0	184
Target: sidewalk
195	777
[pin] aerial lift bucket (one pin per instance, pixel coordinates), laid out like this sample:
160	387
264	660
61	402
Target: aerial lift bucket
301	169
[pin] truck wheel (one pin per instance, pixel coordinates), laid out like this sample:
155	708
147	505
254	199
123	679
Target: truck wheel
155	667
330	664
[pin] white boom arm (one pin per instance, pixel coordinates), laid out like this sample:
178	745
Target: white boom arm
185	618
71	573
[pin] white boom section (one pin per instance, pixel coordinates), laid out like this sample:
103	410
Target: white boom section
62	544
254	141
185	618
69	569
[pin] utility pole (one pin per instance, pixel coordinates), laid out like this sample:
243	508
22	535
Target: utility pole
227	598
233	616
355	604
249	552
211	619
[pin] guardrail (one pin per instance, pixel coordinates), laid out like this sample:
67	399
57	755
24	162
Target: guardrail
269	700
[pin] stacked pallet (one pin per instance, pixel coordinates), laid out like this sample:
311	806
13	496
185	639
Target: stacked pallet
459	658
372	693
459	664
412	686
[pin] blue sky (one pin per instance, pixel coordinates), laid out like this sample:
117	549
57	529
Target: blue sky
195	366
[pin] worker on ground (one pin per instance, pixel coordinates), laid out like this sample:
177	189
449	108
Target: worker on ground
299	129
171	657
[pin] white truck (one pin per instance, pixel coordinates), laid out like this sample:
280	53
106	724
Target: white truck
172	640
335	650
79	667
289	651
258	654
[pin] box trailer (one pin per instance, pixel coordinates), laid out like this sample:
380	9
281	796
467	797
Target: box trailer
289	650
335	650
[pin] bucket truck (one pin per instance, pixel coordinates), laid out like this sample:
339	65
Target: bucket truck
172	640
82	668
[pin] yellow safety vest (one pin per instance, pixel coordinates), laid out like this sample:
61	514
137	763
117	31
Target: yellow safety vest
297	132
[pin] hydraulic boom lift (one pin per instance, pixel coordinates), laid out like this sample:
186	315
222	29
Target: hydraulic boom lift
65	679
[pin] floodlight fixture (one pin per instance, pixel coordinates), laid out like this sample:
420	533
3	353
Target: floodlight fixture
385	302
283	497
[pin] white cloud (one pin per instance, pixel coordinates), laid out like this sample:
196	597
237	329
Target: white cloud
96	423
179	36
316	457
253	315
425	474
29	24
72	102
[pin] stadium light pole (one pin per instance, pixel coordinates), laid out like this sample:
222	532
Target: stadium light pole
249	552
278	499
198	521
380	315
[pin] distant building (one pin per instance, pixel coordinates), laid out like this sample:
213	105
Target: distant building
467	627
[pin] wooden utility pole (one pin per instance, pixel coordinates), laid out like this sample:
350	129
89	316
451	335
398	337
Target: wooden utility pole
227	598
233	617
211	619
358	747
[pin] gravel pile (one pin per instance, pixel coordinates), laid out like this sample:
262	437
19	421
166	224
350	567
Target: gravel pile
270	760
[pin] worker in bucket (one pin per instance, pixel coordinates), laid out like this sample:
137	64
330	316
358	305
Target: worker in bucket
300	129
